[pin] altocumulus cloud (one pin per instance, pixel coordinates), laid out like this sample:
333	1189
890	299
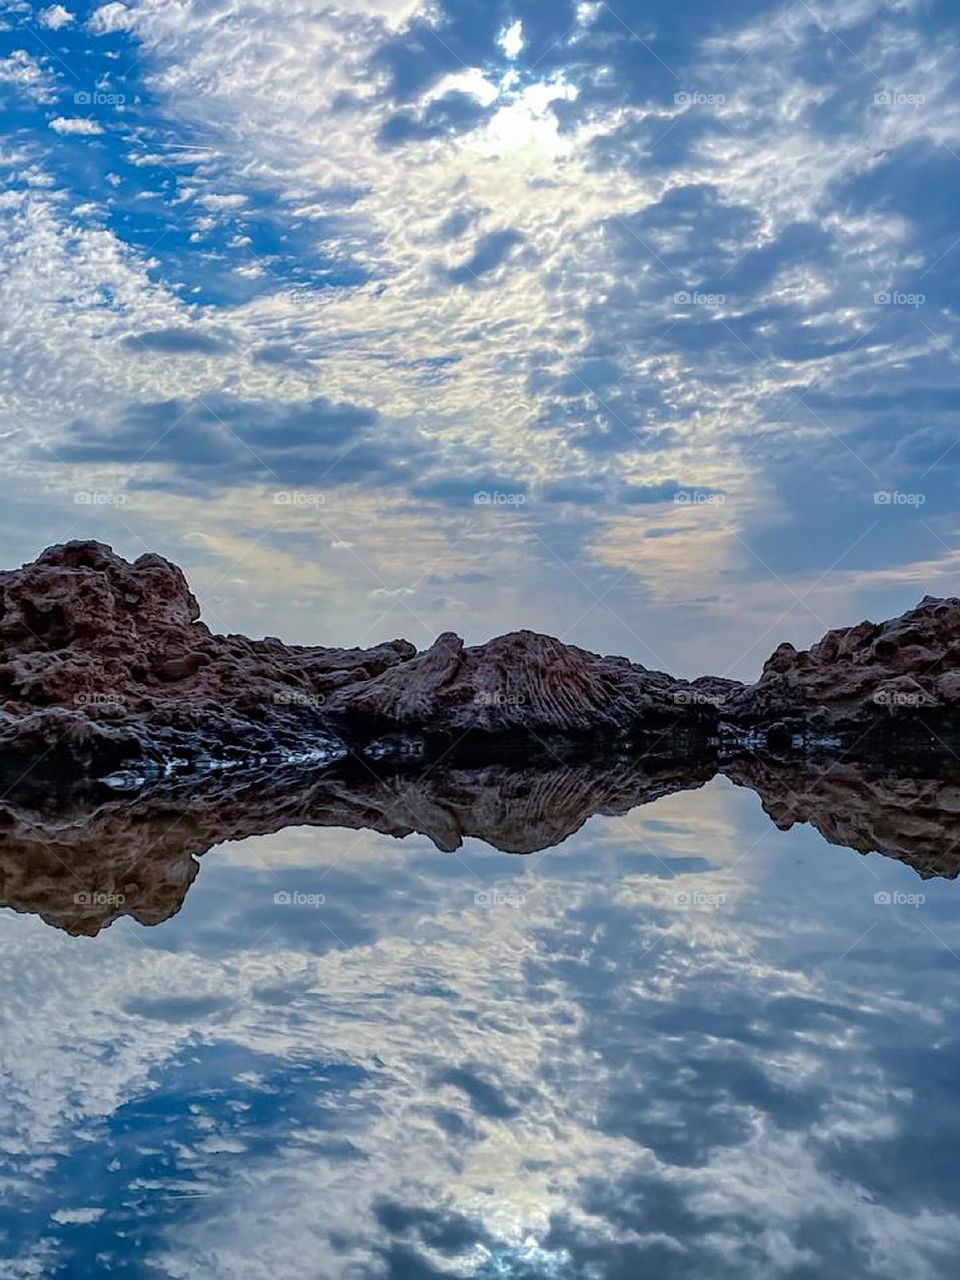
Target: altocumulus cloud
219	441
490	252
223	440
179	341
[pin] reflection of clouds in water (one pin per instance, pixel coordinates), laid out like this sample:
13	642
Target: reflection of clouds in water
583	1077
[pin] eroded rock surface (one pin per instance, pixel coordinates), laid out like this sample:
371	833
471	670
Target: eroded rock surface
522	683
895	672
104	664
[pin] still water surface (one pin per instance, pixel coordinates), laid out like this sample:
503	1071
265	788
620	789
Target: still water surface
683	1045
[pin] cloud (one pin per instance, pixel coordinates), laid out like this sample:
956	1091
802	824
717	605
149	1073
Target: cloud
178	342
29	76
55	17
462	487
110	18
449	115
75	125
510	40
581	254
490	252
220	440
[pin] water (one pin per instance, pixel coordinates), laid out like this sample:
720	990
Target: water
681	1044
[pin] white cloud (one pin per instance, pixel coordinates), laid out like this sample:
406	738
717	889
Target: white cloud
54	17
64	124
510	40
28	76
110	18
77	1217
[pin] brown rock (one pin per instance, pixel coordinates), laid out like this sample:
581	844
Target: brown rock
871	671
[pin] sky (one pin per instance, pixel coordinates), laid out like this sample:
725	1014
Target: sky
631	323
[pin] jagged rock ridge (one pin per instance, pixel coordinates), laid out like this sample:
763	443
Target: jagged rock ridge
907	666
105	665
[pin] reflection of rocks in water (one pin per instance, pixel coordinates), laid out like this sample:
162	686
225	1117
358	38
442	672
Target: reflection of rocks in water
81	866
870	807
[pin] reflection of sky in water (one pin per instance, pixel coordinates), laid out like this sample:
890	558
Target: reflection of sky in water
682	1045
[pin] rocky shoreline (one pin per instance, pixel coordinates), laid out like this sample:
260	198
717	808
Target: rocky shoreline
107	671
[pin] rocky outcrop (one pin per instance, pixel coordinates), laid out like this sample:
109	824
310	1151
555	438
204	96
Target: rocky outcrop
522	683
105	664
898	674
105	667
